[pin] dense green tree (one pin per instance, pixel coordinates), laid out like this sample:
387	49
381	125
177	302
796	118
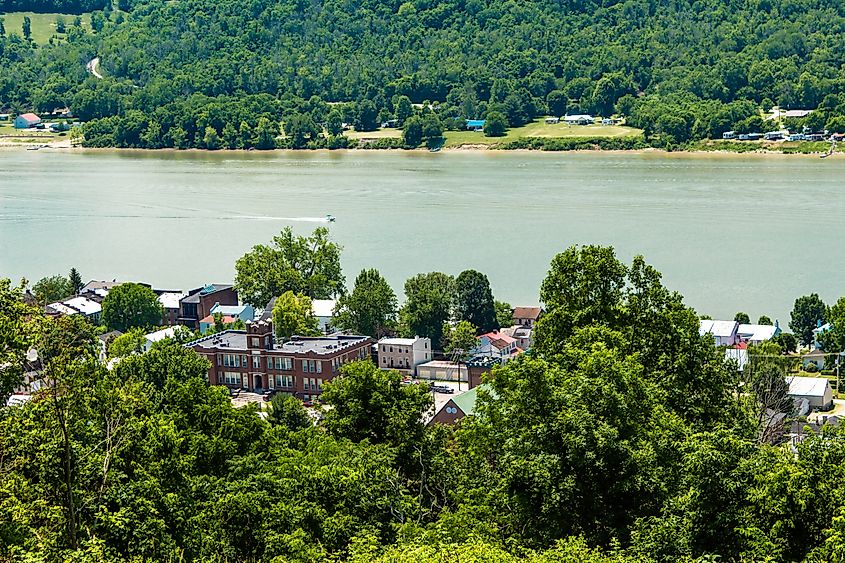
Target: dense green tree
287	411
460	340
230	136
308	265
504	313
557	101
301	129
833	340
15	338
428	304
294	315
495	124
131	305
412	132
366	117
742	318
334	123
808	312
370	308
26	27
265	134
128	343
51	289
372	404
404	109
75	280
764	320
474	301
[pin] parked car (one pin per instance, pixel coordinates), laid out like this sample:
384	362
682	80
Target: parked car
234	392
442	389
269	394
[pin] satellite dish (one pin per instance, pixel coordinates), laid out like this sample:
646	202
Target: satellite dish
31	355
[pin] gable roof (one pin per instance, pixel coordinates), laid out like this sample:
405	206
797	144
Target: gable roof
498	339
807	386
757	332
527	312
717	328
30	117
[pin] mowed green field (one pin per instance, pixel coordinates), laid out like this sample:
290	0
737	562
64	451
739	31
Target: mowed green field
9	133
43	25
534	129
540	129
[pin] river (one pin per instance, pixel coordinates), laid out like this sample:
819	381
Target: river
729	232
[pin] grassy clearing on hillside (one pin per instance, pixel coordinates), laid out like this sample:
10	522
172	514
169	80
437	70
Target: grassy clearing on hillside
540	129
43	25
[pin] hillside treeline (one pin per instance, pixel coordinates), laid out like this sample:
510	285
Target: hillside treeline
680	69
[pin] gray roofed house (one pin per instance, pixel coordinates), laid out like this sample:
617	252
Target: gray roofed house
816	390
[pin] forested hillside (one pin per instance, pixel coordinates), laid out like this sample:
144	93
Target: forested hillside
677	67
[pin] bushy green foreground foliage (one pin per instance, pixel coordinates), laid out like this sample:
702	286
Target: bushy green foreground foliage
622	437
220	74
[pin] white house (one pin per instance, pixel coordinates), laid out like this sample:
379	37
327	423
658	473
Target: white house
78	306
580	119
755	334
723	332
403	354
496	345
816	390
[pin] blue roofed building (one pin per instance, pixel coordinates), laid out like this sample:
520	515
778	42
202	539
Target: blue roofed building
475	124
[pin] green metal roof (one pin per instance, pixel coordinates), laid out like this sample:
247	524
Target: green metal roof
466	401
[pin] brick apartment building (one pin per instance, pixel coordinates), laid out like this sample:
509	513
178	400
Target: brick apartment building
251	359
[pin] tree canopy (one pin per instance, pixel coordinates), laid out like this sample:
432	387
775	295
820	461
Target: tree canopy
474	301
293	314
429	299
808	312
131	305
307	265
371	307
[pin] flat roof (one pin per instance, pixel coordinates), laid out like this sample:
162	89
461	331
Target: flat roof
168	332
84	305
170	299
322	345
399	341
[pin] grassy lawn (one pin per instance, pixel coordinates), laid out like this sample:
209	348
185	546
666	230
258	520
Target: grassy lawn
540	129
377	134
6	128
43	25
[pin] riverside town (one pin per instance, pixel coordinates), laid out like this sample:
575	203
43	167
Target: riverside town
422	281
290	356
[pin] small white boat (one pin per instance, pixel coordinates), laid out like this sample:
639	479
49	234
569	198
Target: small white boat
330	218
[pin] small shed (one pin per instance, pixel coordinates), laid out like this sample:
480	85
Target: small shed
26	120
816	390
